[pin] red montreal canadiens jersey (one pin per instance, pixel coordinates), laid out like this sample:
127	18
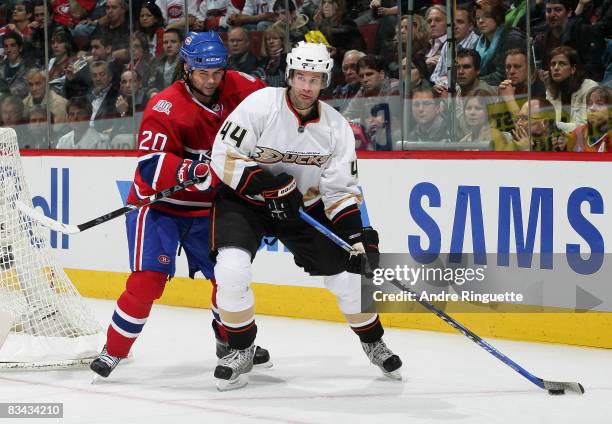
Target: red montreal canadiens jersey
176	126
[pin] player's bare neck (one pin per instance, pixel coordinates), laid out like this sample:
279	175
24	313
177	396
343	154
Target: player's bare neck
205	100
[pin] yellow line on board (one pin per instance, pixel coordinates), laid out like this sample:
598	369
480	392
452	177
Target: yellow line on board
584	329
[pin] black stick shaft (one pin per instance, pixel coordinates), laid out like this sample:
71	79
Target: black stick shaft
147	201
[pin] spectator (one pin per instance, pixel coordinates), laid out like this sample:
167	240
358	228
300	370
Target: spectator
151	23
37	129
477	124
116	27
465	37
11	112
103	97
513	90
38	30
20	19
131	82
562	30
240	56
37	81
79	83
420	44
131	88
63	50
214	13
12	115
141	58
566	88
596	134
173	12
418	72
256	15
436	19
343	93
376	86
421	35
338	28
426	110
13	67
90	14
82	135
468	81
545	136
66	14
298	23
495	39
272	70
164	71
384	13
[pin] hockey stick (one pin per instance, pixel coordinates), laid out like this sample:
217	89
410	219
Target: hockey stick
74	229
553	387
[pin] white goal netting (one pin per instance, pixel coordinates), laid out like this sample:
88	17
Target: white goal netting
44	322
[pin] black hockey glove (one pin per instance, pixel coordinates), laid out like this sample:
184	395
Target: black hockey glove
364	241
190	169
285	200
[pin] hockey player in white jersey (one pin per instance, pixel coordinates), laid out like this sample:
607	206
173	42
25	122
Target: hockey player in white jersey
279	150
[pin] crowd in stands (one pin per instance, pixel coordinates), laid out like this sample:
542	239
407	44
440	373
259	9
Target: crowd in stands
79	73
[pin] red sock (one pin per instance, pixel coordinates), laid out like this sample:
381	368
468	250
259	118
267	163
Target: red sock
133	307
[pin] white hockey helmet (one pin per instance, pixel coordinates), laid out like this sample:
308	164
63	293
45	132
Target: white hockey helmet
312	57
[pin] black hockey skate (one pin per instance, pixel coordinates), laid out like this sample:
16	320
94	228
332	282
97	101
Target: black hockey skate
260	360
231	370
381	356
104	364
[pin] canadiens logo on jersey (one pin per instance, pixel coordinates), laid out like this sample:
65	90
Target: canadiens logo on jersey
163	106
268	156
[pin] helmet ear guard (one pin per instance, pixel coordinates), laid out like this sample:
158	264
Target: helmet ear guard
203	50
313	57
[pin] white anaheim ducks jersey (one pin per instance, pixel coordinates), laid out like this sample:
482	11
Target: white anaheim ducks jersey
265	132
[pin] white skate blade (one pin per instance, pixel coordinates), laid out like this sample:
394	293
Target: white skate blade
393	375
263	366
96	378
237	383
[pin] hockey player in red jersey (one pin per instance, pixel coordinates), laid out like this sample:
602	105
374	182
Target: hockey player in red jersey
279	150
175	138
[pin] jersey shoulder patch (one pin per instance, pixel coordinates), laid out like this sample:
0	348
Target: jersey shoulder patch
163	106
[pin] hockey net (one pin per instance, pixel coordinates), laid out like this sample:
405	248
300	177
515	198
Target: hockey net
44	322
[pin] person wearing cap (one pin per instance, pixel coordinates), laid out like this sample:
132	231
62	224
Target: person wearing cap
175	138
279	151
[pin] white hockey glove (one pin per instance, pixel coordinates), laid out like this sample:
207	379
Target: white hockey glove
190	169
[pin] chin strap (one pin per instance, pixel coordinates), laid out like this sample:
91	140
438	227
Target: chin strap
190	85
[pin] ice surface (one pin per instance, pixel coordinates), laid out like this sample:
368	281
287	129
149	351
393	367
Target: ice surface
320	375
